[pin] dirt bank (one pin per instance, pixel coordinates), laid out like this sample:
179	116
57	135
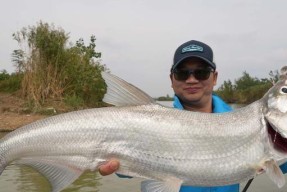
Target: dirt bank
12	114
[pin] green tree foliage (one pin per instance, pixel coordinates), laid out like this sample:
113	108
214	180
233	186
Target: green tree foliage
246	89
226	91
52	70
246	81
83	74
166	98
4	75
9	83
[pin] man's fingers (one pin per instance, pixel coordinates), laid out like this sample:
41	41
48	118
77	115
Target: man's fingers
109	167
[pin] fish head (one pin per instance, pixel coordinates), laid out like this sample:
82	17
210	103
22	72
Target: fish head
275	111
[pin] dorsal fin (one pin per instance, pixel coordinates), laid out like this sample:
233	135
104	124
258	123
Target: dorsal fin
283	71
122	93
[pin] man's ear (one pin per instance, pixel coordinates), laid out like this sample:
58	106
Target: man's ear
215	74
171	79
170	76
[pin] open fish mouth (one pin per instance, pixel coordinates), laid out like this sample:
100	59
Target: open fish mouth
279	142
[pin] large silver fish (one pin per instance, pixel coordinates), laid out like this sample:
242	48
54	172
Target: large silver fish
166	146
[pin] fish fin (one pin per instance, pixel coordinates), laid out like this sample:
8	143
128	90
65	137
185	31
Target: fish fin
122	93
171	185
2	165
274	173
59	175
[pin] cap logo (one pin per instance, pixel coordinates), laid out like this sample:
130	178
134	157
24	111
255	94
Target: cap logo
192	48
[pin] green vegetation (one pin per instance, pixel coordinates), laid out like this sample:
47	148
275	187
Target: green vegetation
246	89
48	69
166	98
10	83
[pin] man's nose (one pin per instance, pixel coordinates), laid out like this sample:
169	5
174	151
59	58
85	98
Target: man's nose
191	79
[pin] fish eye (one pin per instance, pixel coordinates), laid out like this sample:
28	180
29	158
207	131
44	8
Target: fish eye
283	89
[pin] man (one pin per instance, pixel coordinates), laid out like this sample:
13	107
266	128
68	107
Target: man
193	76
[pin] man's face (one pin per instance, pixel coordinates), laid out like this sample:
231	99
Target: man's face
192	90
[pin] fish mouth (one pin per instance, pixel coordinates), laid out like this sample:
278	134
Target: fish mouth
279	142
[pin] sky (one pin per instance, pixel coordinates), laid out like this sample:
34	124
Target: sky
137	38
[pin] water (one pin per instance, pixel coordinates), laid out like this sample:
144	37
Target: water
25	179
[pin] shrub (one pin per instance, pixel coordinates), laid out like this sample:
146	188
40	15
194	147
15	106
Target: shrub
53	70
10	83
74	101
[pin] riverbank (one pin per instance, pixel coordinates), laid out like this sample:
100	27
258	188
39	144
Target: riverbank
13	113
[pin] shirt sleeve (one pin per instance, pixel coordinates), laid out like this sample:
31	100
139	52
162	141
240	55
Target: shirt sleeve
283	167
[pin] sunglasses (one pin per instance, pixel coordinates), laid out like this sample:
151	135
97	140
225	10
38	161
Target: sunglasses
199	74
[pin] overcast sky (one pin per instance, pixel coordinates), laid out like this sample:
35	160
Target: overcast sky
138	38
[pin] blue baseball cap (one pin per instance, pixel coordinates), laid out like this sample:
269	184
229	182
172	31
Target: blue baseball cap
191	49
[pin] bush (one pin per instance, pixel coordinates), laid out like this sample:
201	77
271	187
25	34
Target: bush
10	83
4	75
246	89
54	71
252	93
74	101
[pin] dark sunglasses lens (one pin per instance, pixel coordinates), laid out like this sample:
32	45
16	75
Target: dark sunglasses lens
181	75
201	74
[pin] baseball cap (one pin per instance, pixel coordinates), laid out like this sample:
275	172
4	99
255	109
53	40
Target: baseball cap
191	49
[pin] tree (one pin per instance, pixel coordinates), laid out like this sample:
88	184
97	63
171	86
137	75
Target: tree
226	91
245	81
52	70
4	75
245	90
18	60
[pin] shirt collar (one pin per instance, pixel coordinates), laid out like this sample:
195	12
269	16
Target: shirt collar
218	105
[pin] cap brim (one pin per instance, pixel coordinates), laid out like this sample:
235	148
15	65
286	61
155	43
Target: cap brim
182	59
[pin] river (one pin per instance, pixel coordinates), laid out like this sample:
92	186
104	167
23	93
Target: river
25	179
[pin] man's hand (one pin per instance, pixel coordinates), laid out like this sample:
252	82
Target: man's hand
109	168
